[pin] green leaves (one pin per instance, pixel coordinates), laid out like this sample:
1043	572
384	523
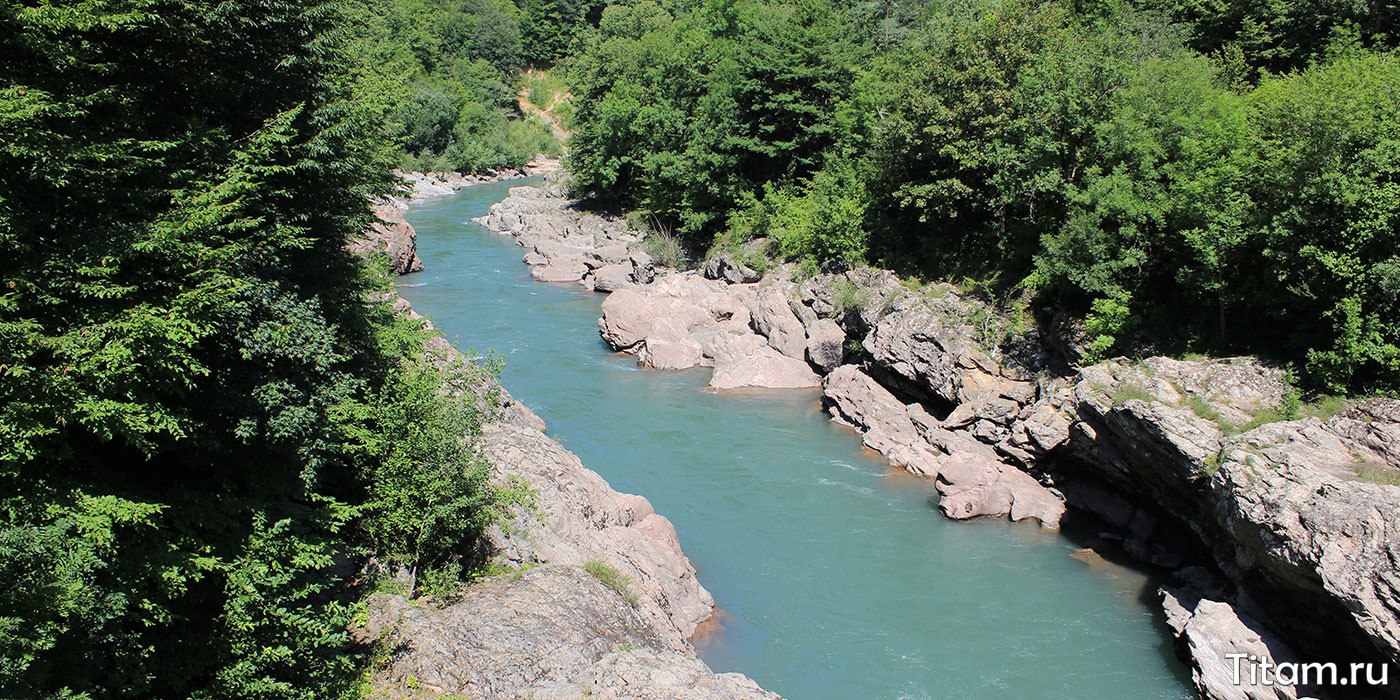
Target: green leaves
681	117
1082	152
180	329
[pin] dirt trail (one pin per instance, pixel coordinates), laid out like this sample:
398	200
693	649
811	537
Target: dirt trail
546	114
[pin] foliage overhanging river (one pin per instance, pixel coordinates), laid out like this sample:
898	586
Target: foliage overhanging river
837	576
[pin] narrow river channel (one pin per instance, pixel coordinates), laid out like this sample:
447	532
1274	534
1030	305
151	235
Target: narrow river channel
836	575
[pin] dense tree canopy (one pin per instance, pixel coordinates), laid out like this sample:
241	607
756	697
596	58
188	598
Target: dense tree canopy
194	385
1090	155
463	60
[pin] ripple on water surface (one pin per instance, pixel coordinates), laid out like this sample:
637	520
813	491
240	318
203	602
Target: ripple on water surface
836	575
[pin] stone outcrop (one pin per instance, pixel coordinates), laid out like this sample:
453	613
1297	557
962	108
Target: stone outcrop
826	345
1294	515
1210	634
729	266
391	235
970	479
598	599
748	361
683	320
936	347
855	298
567	244
773	319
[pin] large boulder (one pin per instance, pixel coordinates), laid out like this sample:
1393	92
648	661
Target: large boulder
560	270
726	267
482	646
856	298
974	482
668	345
930	346
1225	650
627	318
748	361
857	400
610	254
773	319
970	478
691	305
610	278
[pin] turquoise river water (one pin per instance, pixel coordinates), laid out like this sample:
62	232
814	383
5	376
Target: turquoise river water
836	577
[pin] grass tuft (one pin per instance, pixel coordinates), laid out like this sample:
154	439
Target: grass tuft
612	578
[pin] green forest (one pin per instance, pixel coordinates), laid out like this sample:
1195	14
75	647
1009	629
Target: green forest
215	439
213	442
1184	177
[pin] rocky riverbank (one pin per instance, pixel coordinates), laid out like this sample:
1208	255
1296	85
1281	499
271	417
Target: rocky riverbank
393	236
593	595
1279	535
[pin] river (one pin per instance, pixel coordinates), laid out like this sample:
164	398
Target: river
836	576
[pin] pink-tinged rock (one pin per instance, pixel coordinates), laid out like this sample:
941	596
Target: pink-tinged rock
627	318
971	479
773	318
748	361
1214	633
559	270
391	235
611	254
610	278
731	308
858	400
669	346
